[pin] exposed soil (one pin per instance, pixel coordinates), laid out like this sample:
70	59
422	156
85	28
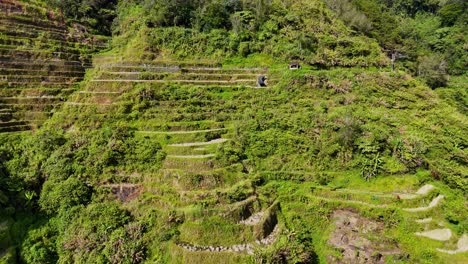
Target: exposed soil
125	191
360	239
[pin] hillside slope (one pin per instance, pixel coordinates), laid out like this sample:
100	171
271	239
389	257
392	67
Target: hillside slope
169	152
40	61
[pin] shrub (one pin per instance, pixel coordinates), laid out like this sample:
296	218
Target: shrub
433	69
63	194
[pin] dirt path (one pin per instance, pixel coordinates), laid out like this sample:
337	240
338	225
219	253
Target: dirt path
436	234
462	246
433	204
195	144
423	191
424	221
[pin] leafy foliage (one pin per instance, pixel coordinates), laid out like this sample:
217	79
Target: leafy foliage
96	14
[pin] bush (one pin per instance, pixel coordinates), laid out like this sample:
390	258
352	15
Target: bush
433	69
63	194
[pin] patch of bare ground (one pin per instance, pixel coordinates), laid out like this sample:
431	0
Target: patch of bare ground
360	239
125	191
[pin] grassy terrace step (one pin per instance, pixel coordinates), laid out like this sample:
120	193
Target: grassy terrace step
189	165
7	55
38	78
198	144
208	100
97	100
31	35
191	157
199	82
36	92
223	177
175	76
8	62
373	199
10	7
25	7
29	115
214	196
40	72
194	151
83	95
155	68
168	138
174	115
192	106
40	54
180	128
25	19
25	84
10	43
12	24
38	41
15	128
13	123
5	126
216	230
51	46
30	107
228	231
233	212
104	61
206	147
192	117
30	99
221	91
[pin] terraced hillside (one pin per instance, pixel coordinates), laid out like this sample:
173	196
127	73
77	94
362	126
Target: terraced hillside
190	109
167	150
231	211
40	61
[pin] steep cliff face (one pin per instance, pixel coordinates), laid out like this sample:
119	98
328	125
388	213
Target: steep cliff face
40	61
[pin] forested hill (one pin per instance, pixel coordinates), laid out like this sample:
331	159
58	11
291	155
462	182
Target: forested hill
137	131
427	37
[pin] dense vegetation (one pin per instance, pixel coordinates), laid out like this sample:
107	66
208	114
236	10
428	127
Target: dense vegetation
346	120
97	15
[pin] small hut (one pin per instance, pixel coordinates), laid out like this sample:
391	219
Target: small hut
294	65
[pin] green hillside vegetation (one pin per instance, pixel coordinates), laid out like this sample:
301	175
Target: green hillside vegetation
164	150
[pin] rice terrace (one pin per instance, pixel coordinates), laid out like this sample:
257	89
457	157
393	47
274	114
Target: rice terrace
233	131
